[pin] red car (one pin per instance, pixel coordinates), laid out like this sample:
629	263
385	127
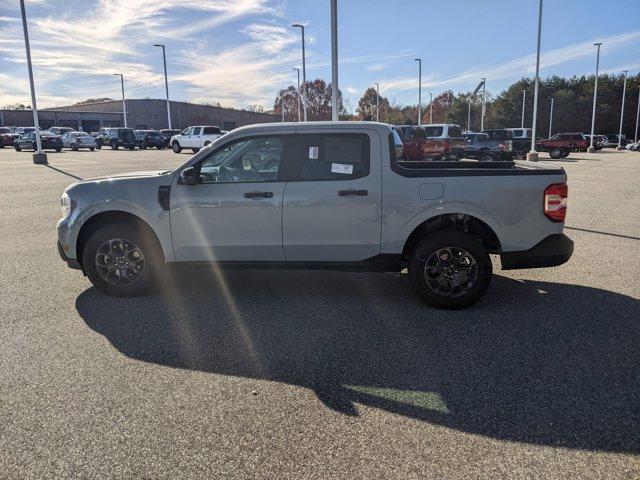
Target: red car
7	137
562	144
432	142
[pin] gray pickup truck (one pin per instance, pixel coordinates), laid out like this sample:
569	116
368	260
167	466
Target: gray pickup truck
318	195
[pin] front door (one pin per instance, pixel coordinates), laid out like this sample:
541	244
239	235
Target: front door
234	212
332	210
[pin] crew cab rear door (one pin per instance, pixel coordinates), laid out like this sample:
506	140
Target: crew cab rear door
332	203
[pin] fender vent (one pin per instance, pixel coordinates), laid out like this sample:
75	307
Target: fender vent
163	196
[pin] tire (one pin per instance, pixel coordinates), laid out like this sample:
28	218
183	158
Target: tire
486	157
114	145
59	149
207	143
132	148
137	277
195	150
92	149
555	153
440	291
175	146
18	149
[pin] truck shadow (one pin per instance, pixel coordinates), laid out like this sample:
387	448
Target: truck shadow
537	362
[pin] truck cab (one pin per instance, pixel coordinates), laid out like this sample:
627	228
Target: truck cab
195	138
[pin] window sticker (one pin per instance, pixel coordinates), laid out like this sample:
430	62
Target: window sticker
313	153
342	168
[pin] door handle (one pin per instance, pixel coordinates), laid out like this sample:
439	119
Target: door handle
353	193
258	195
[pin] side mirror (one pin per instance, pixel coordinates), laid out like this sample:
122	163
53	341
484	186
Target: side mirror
188	176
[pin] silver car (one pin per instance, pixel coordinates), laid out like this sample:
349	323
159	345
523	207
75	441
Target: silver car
77	140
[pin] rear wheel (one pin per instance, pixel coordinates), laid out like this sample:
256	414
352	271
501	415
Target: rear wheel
114	144
555	153
120	259
486	157
450	269
175	146
195	150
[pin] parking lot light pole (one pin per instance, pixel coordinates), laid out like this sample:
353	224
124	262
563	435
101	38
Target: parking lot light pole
524	96
124	106
39	156
304	73
334	61
377	101
484	98
298	91
430	107
635	139
595	96
166	82
419	60
532	156
469	116
550	117
624	91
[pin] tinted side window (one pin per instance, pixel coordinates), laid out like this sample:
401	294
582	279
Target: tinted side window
211	131
455	131
196	131
434	131
334	156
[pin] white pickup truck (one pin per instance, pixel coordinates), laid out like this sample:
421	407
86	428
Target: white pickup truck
330	195
195	138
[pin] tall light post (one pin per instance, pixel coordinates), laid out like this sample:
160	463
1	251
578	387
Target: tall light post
298	91
377	101
38	156
484	99
595	97
430	107
124	106
524	96
637	116
334	61
166	83
304	73
469	115
550	117
419	60
624	91
533	155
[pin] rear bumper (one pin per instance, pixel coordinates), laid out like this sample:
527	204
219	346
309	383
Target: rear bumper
71	262
552	251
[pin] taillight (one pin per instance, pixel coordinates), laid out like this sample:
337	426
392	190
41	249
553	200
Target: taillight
555	202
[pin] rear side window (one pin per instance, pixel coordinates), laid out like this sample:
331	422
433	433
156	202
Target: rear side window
434	131
418	133
211	131
455	131
334	157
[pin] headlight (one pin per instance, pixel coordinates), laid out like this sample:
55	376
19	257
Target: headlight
65	203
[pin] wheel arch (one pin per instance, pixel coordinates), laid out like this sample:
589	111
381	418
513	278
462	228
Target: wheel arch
100	219
463	222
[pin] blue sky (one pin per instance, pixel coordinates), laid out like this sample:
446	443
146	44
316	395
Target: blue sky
241	52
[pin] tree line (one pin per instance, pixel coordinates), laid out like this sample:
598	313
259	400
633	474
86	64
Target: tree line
572	98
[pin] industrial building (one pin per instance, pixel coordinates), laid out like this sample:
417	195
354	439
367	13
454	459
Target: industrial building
141	114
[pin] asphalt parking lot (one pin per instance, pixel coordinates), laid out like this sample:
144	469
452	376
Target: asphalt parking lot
319	374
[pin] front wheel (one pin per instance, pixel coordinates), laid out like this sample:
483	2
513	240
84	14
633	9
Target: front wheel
450	269
119	259
175	146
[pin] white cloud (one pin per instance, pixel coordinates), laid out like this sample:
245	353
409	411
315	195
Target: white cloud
377	67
